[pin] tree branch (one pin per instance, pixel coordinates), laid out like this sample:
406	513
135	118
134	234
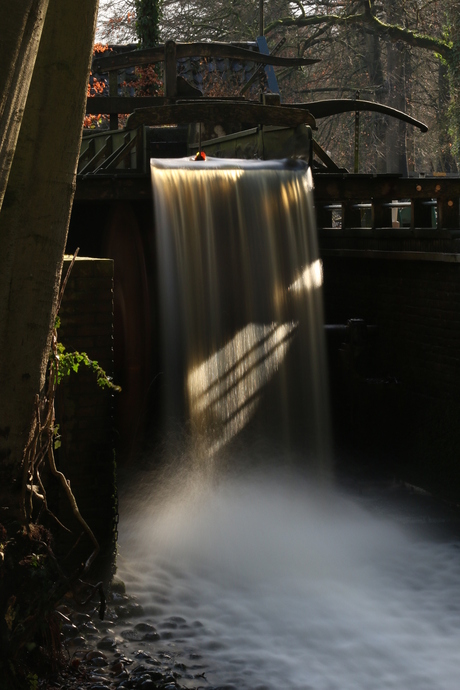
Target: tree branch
393	32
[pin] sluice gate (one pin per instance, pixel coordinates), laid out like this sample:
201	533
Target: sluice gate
389	248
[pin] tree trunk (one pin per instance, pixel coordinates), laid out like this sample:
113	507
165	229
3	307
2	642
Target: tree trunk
377	80
396	151
22	24
446	162
35	213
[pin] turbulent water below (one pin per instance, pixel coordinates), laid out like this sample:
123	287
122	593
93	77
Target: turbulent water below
274	584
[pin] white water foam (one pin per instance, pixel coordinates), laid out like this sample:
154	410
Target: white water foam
273	584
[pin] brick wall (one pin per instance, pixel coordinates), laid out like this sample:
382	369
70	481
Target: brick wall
84	410
405	400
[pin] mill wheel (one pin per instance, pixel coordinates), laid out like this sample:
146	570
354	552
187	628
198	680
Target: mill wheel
132	324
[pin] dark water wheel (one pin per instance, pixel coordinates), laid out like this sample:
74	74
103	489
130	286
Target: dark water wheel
124	243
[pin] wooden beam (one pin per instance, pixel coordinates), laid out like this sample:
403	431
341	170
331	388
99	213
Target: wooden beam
98	105
251	114
335	106
113	187
113	92
324	158
170	69
103	153
216	50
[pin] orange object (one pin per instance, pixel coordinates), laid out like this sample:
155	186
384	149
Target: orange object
200	156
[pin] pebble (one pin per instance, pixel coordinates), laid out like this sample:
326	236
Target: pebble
95	654
70	630
78	617
129	610
107	642
99	661
88	628
106	666
144	627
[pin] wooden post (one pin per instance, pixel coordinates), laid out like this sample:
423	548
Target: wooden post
170	70
356	165
421	212
351	216
113	91
448	213
381	214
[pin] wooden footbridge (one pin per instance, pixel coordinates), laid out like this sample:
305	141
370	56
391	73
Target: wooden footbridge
114	164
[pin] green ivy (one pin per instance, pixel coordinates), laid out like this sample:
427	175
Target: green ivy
68	362
148	16
33	681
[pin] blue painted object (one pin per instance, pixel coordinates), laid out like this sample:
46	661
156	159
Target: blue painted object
269	71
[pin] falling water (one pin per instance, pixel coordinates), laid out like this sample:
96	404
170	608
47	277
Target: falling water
255	571
239	280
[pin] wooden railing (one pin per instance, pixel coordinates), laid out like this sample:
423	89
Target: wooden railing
364	204
168	54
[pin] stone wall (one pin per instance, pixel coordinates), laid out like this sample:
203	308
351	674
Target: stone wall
85	411
400	393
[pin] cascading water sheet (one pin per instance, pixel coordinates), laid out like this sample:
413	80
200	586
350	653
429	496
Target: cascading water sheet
266	578
239	280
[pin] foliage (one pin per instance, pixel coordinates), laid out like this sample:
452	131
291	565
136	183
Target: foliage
148	16
146	81
116	21
97	87
64	363
33	579
403	53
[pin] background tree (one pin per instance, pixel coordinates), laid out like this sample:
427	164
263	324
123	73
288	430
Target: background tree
398	53
18	50
49	56
36	210
148	16
403	53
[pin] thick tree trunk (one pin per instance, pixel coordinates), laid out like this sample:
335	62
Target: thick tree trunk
446	161
396	150
35	213
22	23
377	80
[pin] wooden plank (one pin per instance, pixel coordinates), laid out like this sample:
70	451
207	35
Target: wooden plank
448	212
113	92
392	255
118	155
88	153
381	215
98	105
110	187
251	114
215	50
170	69
335	106
103	152
324	158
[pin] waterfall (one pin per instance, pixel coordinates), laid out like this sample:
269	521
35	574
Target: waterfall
267	577
240	290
